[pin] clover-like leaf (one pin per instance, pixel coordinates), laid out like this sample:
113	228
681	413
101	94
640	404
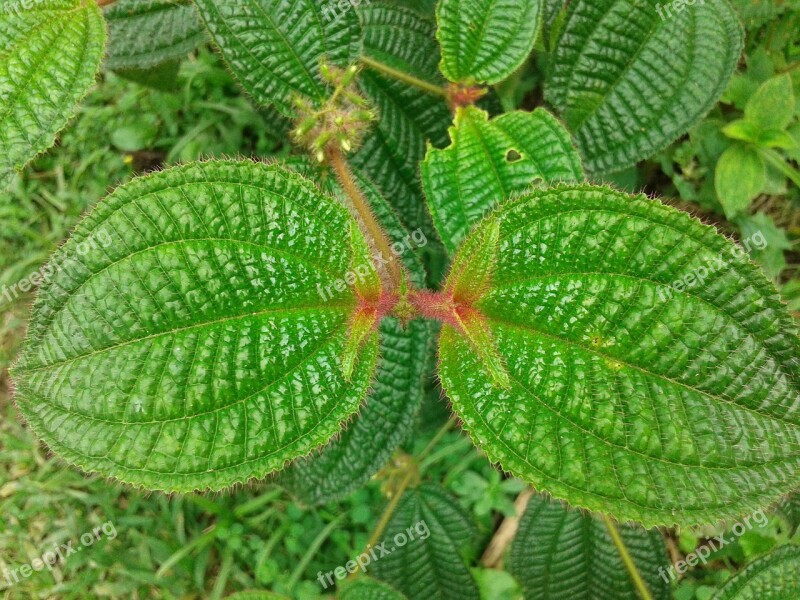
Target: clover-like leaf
775	576
275	47
182	340
485	41
50	53
145	33
653	369
489	160
629	79
560	553
427	539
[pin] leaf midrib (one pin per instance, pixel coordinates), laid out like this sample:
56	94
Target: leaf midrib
228	319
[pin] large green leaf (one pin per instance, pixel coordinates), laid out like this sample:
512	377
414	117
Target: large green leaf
275	47
564	553
431	566
50	52
145	33
488	161
653	369
182	341
409	118
387	417
775	576
485	41
628	82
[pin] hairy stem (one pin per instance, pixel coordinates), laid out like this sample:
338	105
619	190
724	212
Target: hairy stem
641	586
102	3
426	86
373	230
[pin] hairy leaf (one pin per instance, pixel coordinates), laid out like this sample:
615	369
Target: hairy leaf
789	507
485	41
181	341
409	117
366	588
145	33
560	553
50	52
275	47
431	565
490	160
628	81
775	576
654	369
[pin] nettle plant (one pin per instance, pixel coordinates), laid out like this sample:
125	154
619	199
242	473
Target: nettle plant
249	312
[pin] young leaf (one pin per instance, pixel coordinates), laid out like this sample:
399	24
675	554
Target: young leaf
625	100
182	341
772	106
275	47
51	52
485	41
560	553
653	368
366	588
145	33
428	536
409	117
775	576
739	177
490	160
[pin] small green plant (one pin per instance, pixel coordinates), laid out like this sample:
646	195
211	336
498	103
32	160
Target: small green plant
220	321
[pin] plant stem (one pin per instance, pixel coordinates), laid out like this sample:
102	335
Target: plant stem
380	527
493	555
426	86
361	205
641	586
102	3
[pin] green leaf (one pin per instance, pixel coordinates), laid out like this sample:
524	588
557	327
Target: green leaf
409	117
654	369
366	588
275	47
51	53
256	595
628	95
739	177
145	33
563	553
182	341
772	106
431	566
775	576
789	507
485	41
489	160
765	242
